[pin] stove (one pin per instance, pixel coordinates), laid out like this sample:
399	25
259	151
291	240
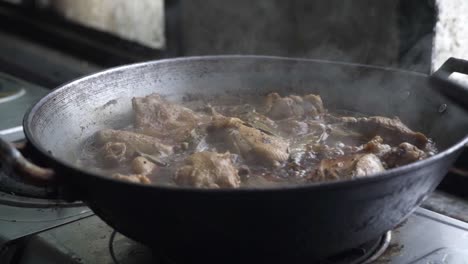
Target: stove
425	238
35	228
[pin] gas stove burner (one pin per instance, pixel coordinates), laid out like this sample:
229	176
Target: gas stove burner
364	254
125	251
9	93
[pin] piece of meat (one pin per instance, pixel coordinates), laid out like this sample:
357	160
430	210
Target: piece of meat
376	146
348	167
339	132
134	142
404	154
165	120
143	166
259	121
369	164
194	140
313	103
252	144
137	178
292	128
249	114
208	170
113	153
323	151
278	107
392	130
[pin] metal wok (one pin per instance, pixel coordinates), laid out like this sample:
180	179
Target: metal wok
289	225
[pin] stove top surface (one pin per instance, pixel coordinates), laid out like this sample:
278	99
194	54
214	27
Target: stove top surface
10	92
16	97
426	237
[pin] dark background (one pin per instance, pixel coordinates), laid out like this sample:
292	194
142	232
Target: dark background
395	33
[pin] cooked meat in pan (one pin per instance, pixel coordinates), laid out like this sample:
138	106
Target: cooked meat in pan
208	169
252	144
235	142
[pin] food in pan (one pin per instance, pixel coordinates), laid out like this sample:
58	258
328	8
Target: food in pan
234	142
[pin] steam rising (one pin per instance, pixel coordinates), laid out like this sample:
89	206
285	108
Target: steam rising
383	33
355	31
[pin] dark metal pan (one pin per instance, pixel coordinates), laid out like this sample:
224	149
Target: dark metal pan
288	225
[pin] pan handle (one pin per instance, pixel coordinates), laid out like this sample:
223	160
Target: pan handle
12	160
453	65
456	92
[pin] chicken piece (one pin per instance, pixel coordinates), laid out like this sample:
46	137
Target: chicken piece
114	153
313	102
134	142
143	166
278	107
339	132
259	121
323	151
136	178
249	114
404	154
376	147
368	164
252	144
348	167
392	130
195	140
292	128
160	118
208	170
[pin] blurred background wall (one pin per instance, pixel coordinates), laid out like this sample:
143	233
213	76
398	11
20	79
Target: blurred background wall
141	21
105	33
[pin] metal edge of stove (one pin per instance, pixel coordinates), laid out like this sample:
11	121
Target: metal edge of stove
13	111
450	201
12	243
22	222
428	237
20	92
21	217
442	219
12	134
55	244
10	199
91	238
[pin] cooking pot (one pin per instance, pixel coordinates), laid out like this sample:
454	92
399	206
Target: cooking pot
295	224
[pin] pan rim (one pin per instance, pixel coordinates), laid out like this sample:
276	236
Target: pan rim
382	176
